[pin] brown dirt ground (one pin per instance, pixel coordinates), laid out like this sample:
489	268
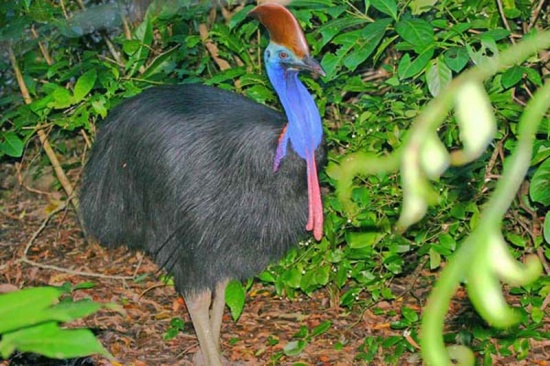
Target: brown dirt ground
135	337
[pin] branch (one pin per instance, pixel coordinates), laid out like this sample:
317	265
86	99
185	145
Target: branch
212	48
59	172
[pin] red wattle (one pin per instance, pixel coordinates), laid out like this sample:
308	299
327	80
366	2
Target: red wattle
315	218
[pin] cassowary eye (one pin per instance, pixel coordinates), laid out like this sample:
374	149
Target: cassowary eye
283	55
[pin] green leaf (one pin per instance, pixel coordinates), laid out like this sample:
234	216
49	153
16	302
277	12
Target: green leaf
68	311
533	76
130	46
546	228
62	98
321	328
292	277
266	276
421	6
83	285
26	307
332	61
417	32
84	85
144	33
160	63
322	274
409	314
512	76
435	258
11	144
438	76
537	314
388	7
447	242
404	63
335	255
516	239
370	37
330	64
335	27
456	58
497	34
302	333
294	348
539	190
512	13
176	325
362	240
51	341
234	298
99	107
408	68
238	17
355	47
487	50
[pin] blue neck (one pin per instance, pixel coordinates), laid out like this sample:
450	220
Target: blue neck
305	130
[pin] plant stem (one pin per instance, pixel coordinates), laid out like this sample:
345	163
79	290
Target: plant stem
515	168
59	172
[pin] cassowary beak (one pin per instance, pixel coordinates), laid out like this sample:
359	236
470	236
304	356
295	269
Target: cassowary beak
310	64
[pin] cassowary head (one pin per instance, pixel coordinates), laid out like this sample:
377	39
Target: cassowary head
288	48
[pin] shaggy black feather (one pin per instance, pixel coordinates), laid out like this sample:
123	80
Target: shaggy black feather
186	173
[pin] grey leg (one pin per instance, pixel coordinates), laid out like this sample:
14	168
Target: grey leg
216	313
199	309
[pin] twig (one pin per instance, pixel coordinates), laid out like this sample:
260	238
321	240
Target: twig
372	75
497	152
504	20
112	49
25	259
43	48
157	285
126	26
535	15
59	172
542	258
212	48
62	2
86	138
412	280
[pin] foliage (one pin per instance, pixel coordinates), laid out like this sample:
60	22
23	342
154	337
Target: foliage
301	340
385	61
31	323
176	325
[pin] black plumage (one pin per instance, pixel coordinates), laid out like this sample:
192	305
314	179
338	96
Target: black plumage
185	173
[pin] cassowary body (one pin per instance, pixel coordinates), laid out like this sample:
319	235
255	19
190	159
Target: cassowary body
191	181
204	179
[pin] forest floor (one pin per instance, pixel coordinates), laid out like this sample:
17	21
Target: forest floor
136	335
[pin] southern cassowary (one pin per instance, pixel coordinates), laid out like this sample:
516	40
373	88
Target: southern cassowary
211	184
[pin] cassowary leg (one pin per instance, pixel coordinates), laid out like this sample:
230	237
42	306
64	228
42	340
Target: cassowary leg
216	313
199	308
